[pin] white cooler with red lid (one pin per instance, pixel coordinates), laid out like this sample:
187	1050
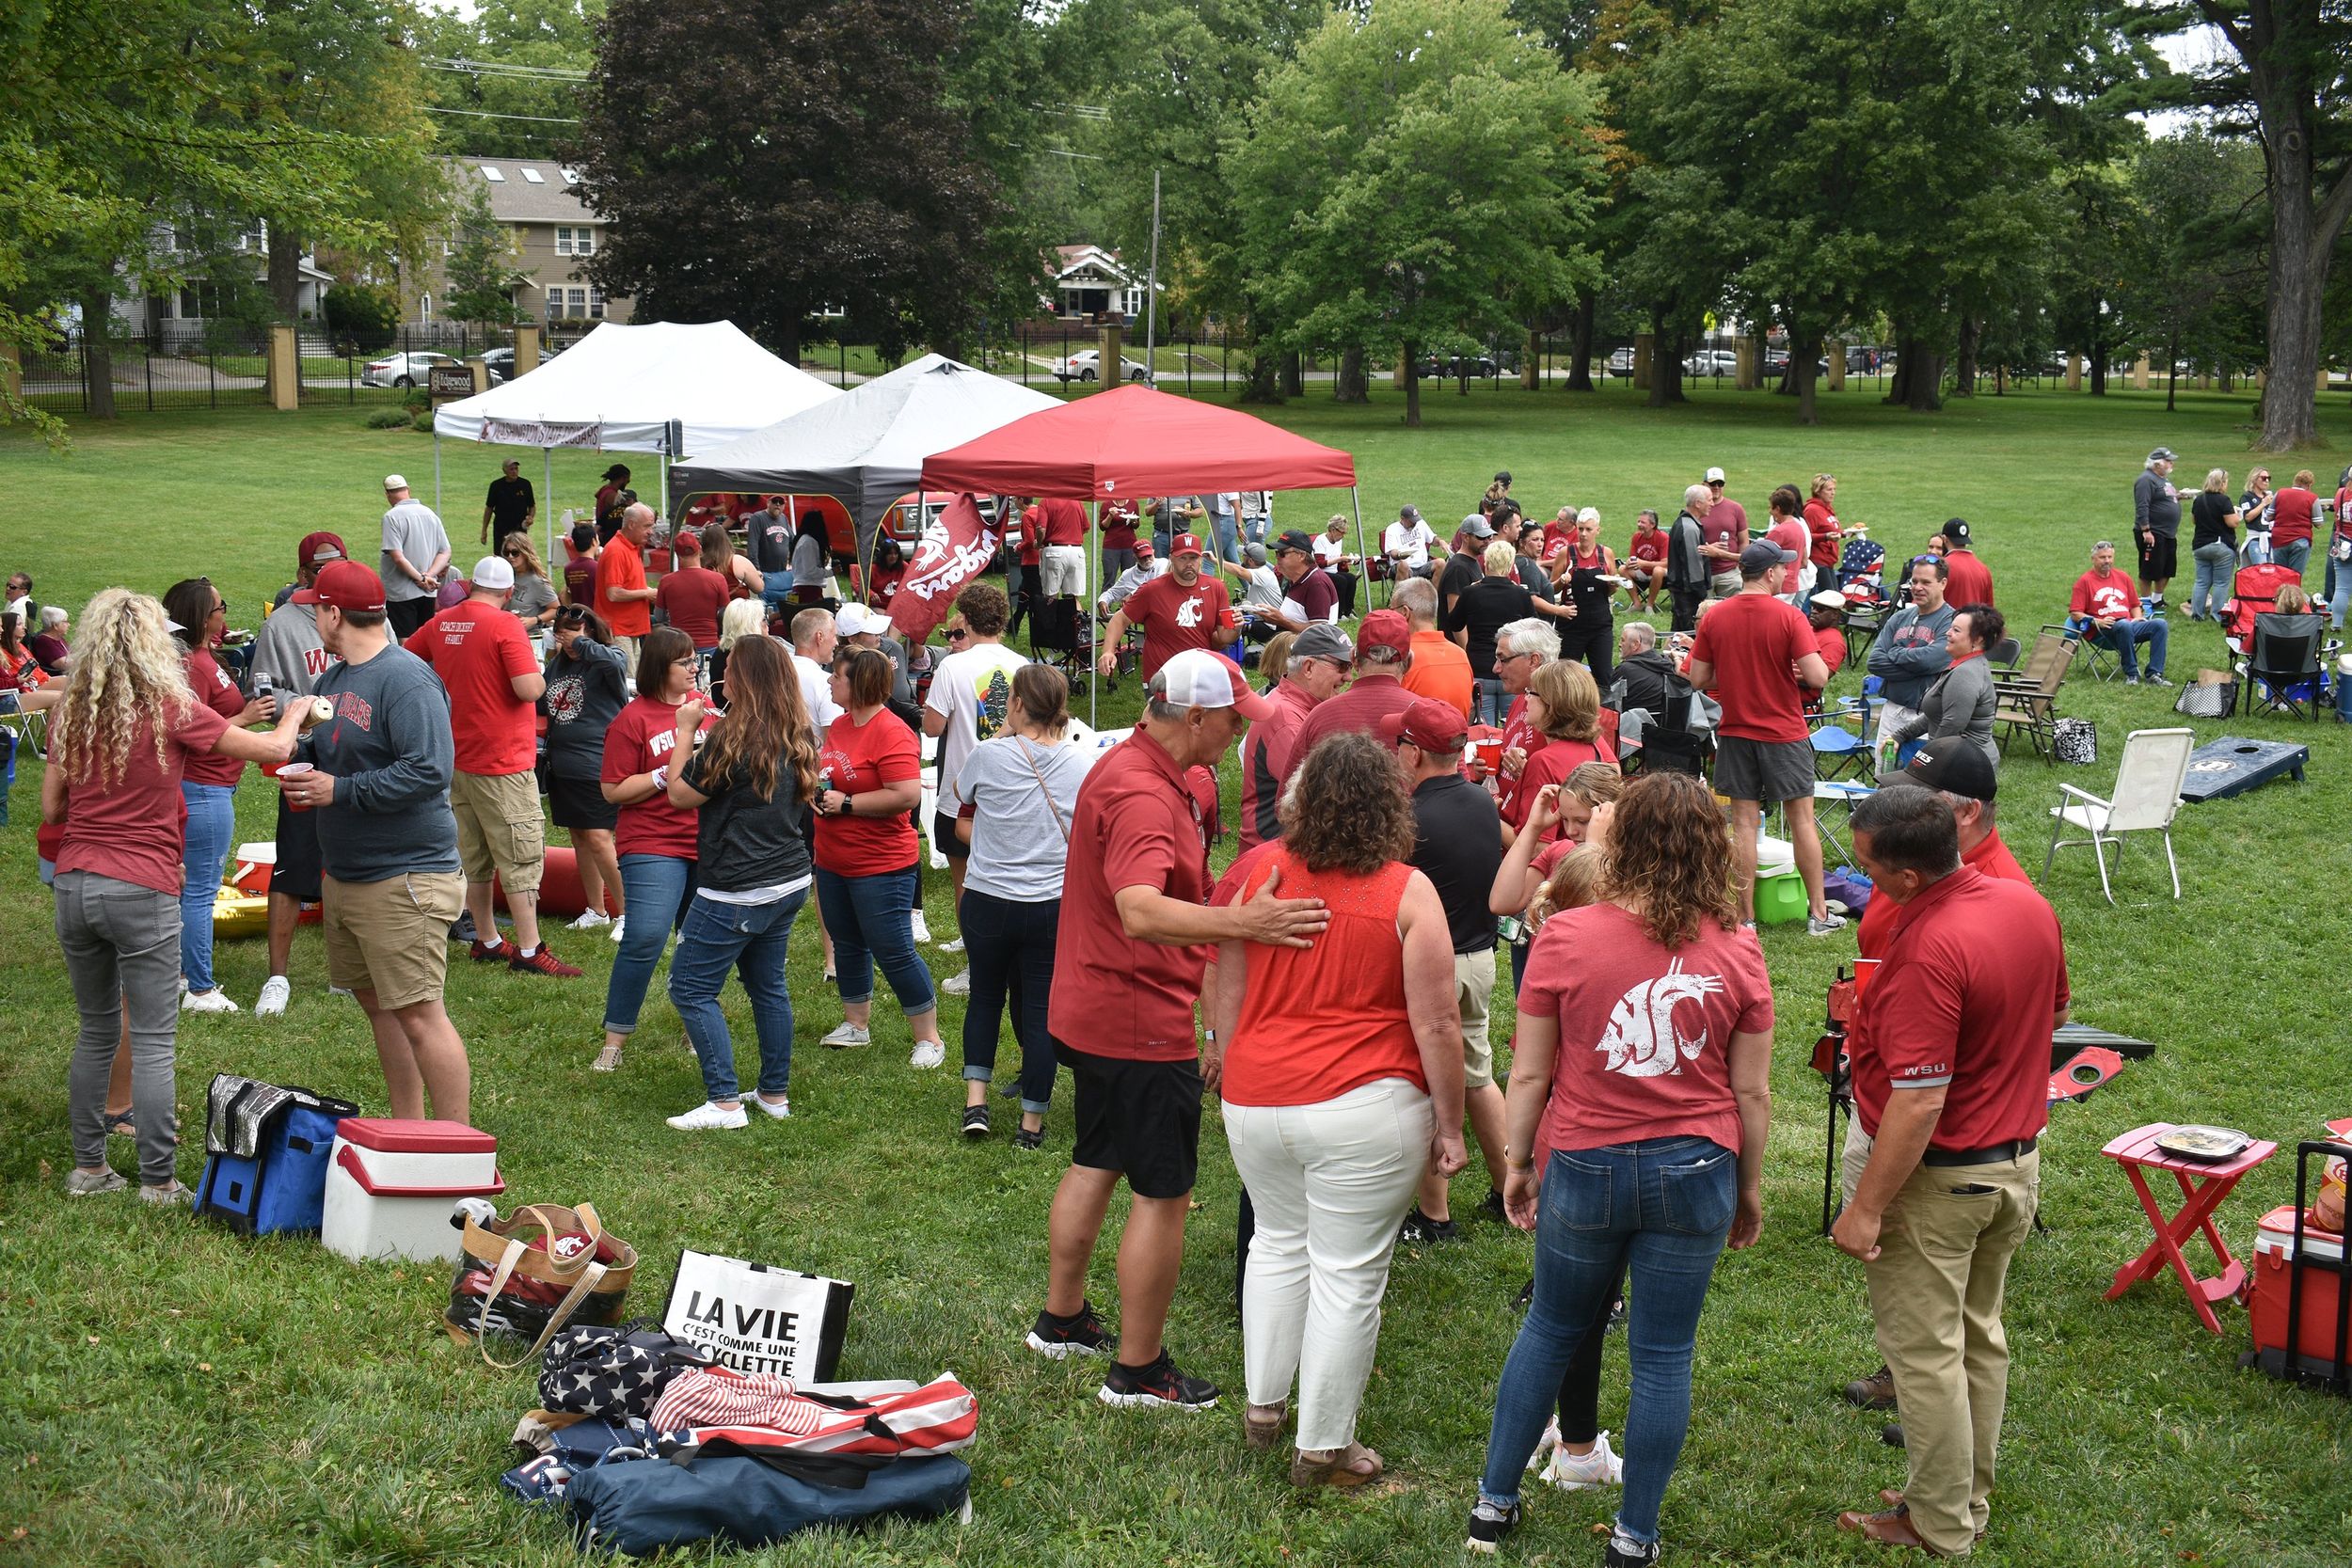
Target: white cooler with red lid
391	1185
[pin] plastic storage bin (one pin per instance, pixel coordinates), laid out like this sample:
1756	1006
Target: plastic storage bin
1780	900
391	1185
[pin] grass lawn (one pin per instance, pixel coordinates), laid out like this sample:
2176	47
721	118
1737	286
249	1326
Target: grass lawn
171	1395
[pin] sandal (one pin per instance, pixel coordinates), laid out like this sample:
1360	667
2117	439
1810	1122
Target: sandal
119	1124
1261	1429
975	1122
1352	1466
608	1060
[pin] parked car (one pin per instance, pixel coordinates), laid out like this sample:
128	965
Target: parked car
1621	361
1455	365
1711	362
1086	365
403	369
501	362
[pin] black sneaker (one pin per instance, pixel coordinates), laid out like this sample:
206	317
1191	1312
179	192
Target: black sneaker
1420	1230
975	1122
1623	1551
1491	1206
1488	1524
1158	1385
1062	1338
1029	1138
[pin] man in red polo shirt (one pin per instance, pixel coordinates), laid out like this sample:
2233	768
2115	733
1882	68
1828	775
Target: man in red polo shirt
622	598
1757	654
1134	941
1951	1066
1177	611
492	671
1384	652
1318	667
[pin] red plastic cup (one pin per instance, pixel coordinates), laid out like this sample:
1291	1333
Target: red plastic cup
294	770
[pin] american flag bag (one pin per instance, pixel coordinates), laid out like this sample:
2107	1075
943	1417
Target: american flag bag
719	1411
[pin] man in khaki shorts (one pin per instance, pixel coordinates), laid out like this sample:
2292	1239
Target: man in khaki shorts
486	661
376	771
1457	844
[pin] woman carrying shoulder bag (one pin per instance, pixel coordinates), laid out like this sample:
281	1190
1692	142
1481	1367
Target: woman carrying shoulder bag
750	783
1020	789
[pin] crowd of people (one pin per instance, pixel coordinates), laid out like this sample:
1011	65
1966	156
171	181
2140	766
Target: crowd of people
1441	784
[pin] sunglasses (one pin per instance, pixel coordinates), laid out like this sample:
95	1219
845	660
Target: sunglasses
957	636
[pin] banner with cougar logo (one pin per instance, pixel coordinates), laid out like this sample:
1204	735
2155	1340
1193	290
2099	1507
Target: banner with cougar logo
956	547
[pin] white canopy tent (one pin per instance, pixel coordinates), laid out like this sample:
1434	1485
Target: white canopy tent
668	387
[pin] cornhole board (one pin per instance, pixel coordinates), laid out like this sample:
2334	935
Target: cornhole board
2234	764
2069	1039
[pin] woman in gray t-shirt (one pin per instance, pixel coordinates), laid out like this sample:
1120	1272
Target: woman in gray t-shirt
1016	794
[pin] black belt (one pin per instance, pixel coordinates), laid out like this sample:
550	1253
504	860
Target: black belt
1991	1154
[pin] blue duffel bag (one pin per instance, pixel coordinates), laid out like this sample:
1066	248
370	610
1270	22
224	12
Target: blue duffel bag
643	1505
266	1151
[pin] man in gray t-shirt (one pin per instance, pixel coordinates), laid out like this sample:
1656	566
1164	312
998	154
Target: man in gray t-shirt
416	553
2156	524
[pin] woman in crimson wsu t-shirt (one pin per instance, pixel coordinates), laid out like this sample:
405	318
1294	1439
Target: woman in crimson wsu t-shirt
655	839
1636	1123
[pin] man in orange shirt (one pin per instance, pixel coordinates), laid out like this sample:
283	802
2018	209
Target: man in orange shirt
621	591
1440	670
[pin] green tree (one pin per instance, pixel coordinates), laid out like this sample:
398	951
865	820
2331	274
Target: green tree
762	159
481	268
505	76
2200	284
1408	173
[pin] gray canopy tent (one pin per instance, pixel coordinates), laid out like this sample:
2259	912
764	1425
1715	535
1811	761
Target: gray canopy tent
866	448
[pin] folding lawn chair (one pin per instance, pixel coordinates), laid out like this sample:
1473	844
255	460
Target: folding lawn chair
2147	795
2284	674
2030	704
2099	654
1837	749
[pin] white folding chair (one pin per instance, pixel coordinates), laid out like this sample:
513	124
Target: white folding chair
2147	794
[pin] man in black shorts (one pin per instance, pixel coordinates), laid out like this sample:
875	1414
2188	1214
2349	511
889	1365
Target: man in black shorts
1756	653
290	654
1126	978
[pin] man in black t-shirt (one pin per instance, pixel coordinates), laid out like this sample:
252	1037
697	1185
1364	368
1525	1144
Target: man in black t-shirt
1457	844
1461	569
510	506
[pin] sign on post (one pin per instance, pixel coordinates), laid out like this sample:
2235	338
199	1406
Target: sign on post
449	381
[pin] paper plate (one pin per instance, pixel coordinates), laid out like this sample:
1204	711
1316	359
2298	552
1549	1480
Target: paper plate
2210	1144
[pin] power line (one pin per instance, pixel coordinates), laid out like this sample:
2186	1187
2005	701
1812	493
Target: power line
484	114
498	68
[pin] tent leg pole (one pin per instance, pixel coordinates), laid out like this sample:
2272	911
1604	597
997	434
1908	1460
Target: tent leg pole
1094	676
436	472
546	501
1363	562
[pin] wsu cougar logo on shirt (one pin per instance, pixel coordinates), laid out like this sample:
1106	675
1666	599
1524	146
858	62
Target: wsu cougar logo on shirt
1640	1039
1188	613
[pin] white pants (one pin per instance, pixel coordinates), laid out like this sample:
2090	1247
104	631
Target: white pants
1330	1183
1062	569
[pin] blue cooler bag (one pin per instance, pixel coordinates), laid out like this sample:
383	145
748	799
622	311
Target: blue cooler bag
266	1151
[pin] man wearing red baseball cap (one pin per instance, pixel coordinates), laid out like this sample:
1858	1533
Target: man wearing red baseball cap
377	781
1384	651
1177	611
1127	976
289	656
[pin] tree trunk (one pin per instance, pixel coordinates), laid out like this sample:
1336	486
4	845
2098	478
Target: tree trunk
285	272
1665	361
98	355
1918	375
1293	375
1581	343
2098	358
1352	385
1265	383
2303	235
1412	384
2172	372
1965	377
788	344
1803	365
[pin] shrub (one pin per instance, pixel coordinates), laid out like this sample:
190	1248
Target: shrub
422	423
389	418
362	315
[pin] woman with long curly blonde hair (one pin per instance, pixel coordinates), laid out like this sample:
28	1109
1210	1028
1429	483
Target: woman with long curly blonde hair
1642	1079
119	741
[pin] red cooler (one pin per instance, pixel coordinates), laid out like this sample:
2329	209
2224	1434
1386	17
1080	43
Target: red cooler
391	1185
2273	1282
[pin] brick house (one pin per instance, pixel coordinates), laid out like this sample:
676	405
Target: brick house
550	232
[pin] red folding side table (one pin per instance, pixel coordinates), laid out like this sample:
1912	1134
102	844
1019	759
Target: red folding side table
2204	1185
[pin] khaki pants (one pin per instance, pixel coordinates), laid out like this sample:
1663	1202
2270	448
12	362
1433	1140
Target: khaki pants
629	647
1935	1295
1473	995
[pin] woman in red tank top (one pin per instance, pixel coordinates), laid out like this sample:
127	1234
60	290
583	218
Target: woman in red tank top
1340	1079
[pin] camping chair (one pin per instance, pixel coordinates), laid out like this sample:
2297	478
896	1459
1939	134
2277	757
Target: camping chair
2147	794
2031	702
1837	750
2254	591
2002	655
2101	653
2284	674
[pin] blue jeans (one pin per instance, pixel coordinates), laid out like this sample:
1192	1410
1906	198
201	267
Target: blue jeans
775	591
1227	532
212	823
2339	593
2293	556
655	890
751	940
2124	637
2217	566
868	918
1663	1207
1487	702
1011	948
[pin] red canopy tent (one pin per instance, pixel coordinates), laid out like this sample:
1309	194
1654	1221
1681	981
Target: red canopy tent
1135	441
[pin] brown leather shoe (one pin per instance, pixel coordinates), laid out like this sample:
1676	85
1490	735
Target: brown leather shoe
1875	1392
1893	1498
1890	1527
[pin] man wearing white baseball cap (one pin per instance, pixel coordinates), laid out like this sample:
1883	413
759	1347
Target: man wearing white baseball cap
1128	976
416	553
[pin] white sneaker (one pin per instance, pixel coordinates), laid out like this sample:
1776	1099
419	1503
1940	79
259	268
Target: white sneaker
928	1054
922	928
1544	1446
213	1001
955	946
707	1117
338	990
781	1110
1585	1472
276	992
616	928
590	920
845	1034
184	985
1824	926
959	984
